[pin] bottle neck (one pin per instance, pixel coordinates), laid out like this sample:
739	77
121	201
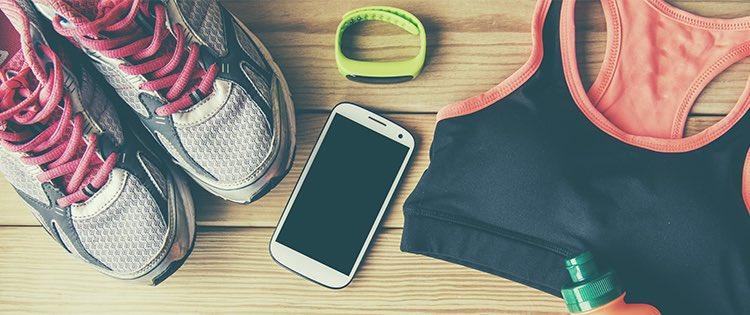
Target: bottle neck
614	307
591	286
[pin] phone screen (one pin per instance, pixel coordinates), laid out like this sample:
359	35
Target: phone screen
340	199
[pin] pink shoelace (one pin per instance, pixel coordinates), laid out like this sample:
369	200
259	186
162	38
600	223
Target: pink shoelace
59	147
160	56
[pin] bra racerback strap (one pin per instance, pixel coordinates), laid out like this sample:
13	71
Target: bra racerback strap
670	55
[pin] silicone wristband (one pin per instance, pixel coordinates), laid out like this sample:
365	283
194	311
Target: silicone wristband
382	72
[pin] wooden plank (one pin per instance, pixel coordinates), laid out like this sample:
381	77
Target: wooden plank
471	48
230	270
265	212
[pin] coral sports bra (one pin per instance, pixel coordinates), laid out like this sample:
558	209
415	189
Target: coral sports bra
538	169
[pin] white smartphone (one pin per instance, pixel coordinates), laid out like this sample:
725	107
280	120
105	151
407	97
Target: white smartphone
341	196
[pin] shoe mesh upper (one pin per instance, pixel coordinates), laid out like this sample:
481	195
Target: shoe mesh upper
249	47
100	108
233	143
20	176
124	88
128	234
204	17
156	175
260	84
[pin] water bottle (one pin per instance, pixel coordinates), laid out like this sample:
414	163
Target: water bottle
597	292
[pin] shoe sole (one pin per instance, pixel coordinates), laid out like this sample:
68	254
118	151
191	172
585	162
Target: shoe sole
284	157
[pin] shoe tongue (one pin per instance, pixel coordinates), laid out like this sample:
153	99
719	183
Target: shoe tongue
76	10
10	62
81	8
10	42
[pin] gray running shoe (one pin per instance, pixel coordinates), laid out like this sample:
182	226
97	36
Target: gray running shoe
201	83
96	192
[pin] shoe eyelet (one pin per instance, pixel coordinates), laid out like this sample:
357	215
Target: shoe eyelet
63	20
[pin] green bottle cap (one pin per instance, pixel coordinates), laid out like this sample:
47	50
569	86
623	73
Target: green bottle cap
592	287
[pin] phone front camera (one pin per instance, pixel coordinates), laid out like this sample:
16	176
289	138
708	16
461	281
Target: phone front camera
400	136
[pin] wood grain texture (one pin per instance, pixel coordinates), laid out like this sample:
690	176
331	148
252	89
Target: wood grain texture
230	270
213	211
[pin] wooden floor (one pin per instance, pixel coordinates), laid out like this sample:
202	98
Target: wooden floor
473	46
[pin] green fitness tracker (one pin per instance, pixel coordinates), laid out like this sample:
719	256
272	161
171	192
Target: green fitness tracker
382	72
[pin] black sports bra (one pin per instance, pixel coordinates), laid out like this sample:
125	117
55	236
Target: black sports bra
530	173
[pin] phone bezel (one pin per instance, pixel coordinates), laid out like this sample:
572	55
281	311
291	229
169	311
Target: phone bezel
306	266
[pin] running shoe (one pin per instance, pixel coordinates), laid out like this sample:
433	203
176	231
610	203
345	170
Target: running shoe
200	82
97	193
